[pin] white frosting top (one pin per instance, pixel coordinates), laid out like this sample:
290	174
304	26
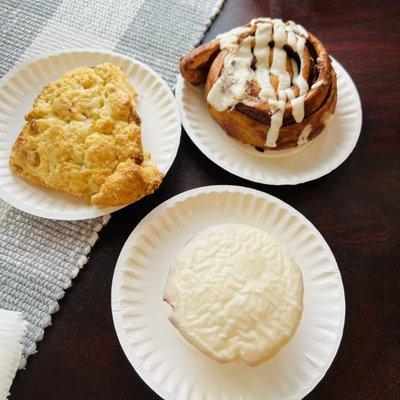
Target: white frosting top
236	293
231	87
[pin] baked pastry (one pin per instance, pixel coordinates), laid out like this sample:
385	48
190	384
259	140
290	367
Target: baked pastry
83	137
236	294
269	84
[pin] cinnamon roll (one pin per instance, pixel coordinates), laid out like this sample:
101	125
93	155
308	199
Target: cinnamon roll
270	83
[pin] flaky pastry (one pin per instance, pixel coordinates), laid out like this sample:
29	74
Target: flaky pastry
83	137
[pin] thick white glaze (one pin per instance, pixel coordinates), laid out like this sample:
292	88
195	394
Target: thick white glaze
276	122
298	108
231	87
317	84
261	52
228	40
236	293
299	80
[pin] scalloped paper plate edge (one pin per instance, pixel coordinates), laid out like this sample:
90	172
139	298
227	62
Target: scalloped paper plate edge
254	178
93	211
170	203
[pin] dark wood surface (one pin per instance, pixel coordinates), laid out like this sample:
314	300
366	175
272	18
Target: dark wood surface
356	208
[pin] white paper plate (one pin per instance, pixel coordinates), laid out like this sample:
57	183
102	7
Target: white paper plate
161	127
165	361
287	167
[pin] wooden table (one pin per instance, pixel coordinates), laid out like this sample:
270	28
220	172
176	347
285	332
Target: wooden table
356	208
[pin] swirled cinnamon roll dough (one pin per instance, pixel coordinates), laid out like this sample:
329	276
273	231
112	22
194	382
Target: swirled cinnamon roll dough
236	294
83	137
267	83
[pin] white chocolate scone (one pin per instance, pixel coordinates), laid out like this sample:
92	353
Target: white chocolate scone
236	294
83	137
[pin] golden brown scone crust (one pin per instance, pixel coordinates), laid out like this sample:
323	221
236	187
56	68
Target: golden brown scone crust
83	137
129	180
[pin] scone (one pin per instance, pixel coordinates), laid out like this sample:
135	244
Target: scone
83	137
236	294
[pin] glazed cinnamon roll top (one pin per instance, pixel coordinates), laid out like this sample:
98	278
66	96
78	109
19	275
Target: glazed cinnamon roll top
273	71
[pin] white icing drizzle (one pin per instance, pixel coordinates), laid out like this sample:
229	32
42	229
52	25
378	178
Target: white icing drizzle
317	84
230	88
282	95
299	80
280	35
276	123
278	68
303	137
298	108
228	40
292	41
262	53
290	94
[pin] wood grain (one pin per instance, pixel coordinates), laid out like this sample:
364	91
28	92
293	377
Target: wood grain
356	208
